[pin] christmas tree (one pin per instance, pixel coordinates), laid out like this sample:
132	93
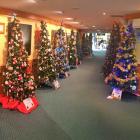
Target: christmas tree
123	78
111	50
90	43
60	53
85	44
72	50
46	62
18	82
78	46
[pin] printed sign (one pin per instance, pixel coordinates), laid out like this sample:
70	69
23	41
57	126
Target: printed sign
56	84
117	93
28	103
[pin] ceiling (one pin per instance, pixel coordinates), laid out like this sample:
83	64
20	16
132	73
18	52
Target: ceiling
88	13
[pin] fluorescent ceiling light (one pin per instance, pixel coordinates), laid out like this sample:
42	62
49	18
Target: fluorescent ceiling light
31	1
74	22
58	12
69	18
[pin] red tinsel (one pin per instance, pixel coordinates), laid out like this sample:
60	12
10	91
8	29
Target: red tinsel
28	70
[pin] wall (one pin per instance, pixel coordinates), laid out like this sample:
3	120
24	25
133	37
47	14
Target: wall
136	24
3	41
35	26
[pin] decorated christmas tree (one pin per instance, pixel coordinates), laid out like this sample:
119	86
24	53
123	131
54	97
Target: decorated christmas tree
85	42
72	50
79	49
90	43
18	84
46	61
61	60
111	50
123	78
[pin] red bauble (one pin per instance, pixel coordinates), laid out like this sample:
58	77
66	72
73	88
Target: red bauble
28	70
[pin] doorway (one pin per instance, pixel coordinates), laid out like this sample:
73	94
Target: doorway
100	41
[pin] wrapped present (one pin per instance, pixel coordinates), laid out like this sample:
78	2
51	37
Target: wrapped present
62	75
67	74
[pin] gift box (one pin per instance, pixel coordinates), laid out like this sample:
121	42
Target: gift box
62	75
67	74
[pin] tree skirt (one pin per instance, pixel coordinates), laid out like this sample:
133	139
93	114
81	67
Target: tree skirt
27	106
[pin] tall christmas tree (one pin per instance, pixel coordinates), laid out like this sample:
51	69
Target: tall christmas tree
60	53
123	78
79	47
111	50
90	43
46	61
85	45
18	82
73	50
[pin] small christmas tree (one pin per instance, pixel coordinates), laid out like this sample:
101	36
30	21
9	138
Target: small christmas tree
46	62
18	82
111	50
123	78
73	50
60	53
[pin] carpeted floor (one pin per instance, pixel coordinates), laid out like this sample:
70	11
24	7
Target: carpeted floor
77	111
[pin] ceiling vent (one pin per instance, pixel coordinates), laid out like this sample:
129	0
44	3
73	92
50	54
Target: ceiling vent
75	8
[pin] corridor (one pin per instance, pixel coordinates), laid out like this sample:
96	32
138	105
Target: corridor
78	110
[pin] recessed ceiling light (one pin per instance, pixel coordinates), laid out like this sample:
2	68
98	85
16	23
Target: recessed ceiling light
58	12
31	1
93	26
69	18
104	13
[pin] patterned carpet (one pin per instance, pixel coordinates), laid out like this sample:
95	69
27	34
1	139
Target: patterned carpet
79	110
